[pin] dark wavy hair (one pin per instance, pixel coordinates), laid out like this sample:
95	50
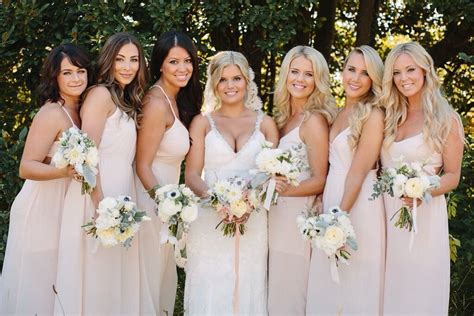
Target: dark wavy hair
189	98
48	89
129	99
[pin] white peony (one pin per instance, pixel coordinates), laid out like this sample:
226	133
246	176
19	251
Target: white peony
107	237
59	161
107	203
414	188
169	207
399	185
106	220
238	208
187	192
129	206
92	158
189	213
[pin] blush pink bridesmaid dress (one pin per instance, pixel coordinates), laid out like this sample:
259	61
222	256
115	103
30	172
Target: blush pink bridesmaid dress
360	291
417	281
157	260
289	253
93	280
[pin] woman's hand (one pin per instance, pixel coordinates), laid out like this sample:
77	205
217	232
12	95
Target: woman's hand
407	201
281	184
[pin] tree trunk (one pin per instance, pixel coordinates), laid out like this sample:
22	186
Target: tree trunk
366	22
325	30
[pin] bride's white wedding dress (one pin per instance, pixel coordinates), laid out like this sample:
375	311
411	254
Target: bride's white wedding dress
210	273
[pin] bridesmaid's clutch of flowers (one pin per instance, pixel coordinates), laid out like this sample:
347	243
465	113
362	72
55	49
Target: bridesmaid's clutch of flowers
117	222
177	207
330	232
407	180
79	151
277	162
234	200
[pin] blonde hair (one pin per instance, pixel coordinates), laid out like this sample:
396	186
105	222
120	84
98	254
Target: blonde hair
320	100
438	114
362	109
218	62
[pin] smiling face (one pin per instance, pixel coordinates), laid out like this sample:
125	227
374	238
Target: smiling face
355	79
232	86
127	64
300	81
408	76
177	67
72	80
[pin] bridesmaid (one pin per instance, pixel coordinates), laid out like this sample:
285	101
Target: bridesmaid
419	125
305	108
163	142
93	280
29	269
356	138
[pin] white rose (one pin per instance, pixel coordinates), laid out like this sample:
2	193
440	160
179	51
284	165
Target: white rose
187	192
238	208
129	206
169	207
399	185
107	203
414	188
189	213
92	157
106	220
334	236
163	217
59	161
107	237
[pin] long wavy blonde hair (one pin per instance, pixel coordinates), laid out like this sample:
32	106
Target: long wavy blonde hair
219	61
320	101
438	114
362	109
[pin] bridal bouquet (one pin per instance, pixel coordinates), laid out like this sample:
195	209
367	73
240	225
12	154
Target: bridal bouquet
177	208
117	221
276	162
78	150
234	200
330	232
407	180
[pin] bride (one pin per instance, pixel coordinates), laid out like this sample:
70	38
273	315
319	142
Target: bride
225	142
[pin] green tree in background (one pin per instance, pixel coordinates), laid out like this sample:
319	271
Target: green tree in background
263	30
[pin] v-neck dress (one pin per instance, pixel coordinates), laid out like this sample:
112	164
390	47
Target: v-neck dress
158	268
417	281
360	291
289	253
31	256
210	274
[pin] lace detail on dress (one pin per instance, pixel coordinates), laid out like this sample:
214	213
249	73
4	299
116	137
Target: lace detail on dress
256	131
